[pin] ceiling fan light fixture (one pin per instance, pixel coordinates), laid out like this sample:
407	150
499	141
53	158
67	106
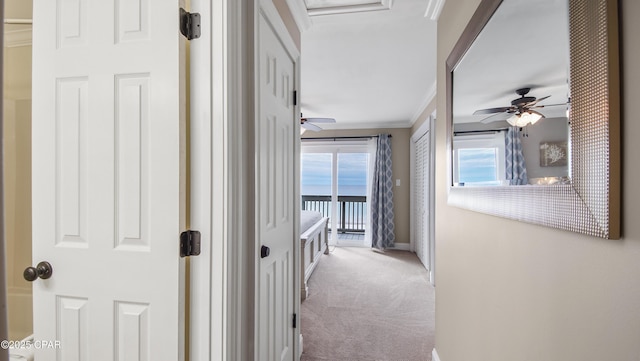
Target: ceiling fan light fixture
514	120
531	118
524	119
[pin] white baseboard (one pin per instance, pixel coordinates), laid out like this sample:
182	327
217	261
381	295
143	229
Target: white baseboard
434	355
302	347
402	246
397	246
17	38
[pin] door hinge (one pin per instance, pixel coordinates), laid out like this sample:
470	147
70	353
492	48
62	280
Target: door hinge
295	320
295	97
189	243
189	24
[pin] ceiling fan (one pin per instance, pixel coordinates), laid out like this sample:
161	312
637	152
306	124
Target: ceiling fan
521	110
310	123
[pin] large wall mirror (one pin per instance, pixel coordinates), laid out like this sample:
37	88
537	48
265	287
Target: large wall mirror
533	114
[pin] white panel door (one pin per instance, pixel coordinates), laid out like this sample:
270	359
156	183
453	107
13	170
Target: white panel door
275	151
108	179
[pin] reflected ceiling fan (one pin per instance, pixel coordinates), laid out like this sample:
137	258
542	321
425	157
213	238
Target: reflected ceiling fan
310	123
521	110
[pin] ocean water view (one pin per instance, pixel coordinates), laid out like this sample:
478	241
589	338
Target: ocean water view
354	209
325	190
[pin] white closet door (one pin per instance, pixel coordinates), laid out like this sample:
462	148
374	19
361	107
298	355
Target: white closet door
418	195
421	194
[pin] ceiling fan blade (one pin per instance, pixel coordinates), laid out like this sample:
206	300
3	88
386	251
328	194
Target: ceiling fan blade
495	118
318	120
549	105
530	104
491	110
310	126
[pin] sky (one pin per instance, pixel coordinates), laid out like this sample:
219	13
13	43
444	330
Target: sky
476	165
316	171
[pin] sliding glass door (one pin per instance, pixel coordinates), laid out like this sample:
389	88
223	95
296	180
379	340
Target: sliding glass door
316	182
351	199
336	181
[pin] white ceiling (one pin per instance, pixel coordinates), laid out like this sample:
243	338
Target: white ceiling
369	69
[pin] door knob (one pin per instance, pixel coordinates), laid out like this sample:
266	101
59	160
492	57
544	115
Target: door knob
264	251
42	270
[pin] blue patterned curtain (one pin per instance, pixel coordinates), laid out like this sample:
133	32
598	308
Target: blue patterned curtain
515	167
382	228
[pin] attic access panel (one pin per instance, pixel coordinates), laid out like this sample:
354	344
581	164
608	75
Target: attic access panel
327	7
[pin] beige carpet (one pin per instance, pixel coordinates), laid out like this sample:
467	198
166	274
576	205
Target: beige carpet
364	305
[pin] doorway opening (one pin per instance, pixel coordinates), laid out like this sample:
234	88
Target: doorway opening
17	165
336	180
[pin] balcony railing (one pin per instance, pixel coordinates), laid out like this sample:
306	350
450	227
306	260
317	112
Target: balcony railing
352	211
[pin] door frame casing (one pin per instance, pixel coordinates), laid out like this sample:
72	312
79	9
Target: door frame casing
4	333
220	123
223	97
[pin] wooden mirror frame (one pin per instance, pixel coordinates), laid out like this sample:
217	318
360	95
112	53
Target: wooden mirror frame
590	204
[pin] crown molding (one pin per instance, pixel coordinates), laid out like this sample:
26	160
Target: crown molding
434	8
428	98
16	38
366	125
434	355
300	14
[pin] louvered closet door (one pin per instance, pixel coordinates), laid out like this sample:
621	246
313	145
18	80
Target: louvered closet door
418	196
421	194
107	179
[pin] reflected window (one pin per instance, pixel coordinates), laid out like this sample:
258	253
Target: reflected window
479	159
478	165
